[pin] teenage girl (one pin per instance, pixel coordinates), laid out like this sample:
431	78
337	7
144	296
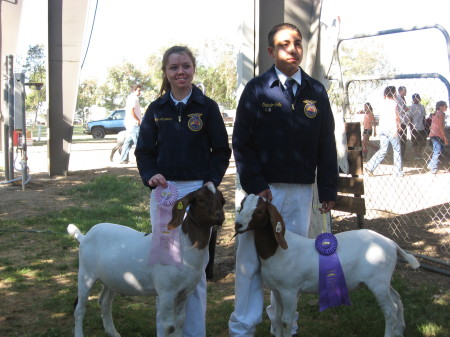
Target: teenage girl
183	140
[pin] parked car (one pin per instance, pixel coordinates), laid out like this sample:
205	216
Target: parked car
113	124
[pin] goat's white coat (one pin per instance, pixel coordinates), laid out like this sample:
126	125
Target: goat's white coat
366	257
118	256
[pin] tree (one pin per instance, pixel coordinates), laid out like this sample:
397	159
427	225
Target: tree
35	72
359	59
216	69
88	95
219	74
120	79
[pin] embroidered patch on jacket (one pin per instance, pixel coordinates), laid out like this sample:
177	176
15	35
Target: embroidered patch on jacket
310	108
268	106
195	123
163	119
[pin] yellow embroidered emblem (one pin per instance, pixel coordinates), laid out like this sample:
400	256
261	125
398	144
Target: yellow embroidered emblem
269	106
310	108
195	123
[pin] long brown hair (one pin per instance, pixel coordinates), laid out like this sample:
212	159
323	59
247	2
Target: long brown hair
165	86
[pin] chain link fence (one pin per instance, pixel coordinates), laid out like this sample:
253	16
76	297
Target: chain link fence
414	209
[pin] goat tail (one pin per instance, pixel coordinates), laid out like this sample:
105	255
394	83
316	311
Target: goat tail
75	232
410	259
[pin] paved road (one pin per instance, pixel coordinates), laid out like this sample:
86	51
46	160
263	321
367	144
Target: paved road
84	155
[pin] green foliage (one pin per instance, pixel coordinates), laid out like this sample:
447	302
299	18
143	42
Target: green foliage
118	85
216	69
358	59
110	199
88	94
35	72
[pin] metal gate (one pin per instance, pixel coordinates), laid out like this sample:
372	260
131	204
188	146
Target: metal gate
414	210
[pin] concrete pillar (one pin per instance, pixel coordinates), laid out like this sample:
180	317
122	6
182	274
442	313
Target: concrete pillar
66	24
10	12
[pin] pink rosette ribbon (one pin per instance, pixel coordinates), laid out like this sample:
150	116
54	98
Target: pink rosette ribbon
165	247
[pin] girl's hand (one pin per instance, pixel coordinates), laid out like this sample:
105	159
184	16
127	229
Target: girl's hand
157	180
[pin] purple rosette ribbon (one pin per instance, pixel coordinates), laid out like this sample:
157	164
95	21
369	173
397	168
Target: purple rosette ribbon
332	285
165	247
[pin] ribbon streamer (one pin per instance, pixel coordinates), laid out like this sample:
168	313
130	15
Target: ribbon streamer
332	285
165	247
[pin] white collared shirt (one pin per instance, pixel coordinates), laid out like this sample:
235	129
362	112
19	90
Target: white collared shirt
297	77
184	100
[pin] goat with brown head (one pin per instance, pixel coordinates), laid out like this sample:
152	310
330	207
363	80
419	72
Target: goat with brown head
118	256
261	216
205	210
365	256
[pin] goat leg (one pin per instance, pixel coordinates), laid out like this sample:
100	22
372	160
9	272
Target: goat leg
106	301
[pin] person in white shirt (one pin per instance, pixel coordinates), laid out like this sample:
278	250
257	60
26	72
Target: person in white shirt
133	119
418	133
388	127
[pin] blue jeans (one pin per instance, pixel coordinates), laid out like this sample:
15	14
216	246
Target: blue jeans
386	138
437	150
132	136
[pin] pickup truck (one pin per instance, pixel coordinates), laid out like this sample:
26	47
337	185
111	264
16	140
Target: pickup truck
113	124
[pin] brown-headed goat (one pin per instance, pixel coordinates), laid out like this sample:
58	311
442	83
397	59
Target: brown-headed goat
118	256
290	264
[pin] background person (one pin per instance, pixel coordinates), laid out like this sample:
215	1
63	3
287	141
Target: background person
418	133
279	141
183	139
437	135
368	127
403	113
132	122
388	131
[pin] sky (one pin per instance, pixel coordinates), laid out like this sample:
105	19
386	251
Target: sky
132	30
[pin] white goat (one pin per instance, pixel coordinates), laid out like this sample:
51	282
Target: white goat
365	256
118	257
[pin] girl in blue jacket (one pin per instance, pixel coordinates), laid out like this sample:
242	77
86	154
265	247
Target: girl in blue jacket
183	140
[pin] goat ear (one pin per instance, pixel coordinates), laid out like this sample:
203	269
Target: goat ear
277	225
222	199
178	210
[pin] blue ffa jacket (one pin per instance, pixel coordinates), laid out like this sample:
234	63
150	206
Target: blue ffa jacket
277	142
193	146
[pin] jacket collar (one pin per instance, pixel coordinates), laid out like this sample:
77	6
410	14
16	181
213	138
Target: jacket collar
274	81
196	96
